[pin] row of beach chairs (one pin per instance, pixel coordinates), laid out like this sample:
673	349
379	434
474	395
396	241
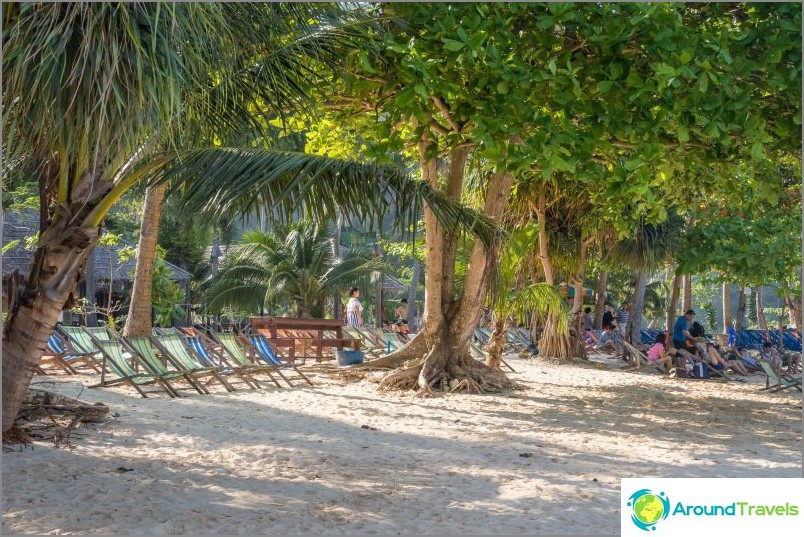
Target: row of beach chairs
169	360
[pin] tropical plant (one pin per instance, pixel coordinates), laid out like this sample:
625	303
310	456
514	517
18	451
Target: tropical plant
293	263
510	297
100	96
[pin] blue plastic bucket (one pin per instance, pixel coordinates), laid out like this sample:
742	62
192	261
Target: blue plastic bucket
349	357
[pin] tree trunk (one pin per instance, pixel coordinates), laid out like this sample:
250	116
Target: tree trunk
727	318
494	348
672	308
635	328
761	321
414	285
544	257
56	269
687	305
554	343
138	321
449	324
740	324
600	300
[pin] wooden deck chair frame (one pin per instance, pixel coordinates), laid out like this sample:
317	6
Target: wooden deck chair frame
176	353
55	355
67	355
125	374
149	363
233	347
263	350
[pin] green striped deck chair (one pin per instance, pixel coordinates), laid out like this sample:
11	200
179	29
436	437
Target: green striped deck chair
142	349
233	350
776	383
174	348
210	357
100	332
80	340
115	361
366	344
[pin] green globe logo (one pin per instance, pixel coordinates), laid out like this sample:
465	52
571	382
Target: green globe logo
648	508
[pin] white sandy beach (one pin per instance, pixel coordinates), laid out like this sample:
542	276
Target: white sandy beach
544	460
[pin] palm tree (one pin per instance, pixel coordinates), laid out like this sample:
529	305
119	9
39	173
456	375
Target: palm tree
508	297
293	262
100	96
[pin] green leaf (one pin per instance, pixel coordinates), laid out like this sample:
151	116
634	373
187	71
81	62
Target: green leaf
756	152
502	87
604	85
452	44
683	134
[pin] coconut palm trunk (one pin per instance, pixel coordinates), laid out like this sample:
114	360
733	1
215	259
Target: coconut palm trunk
761	320
741	305
687	302
56	269
635	325
672	308
600	299
139	319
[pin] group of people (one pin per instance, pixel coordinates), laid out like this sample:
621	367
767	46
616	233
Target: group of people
690	345
354	314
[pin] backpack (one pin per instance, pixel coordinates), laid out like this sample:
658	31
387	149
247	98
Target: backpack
700	371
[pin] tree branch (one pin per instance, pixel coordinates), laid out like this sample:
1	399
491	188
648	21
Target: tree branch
444	109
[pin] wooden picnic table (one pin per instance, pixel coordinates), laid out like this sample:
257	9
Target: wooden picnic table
315	328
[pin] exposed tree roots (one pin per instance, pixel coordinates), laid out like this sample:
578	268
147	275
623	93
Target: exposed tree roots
435	373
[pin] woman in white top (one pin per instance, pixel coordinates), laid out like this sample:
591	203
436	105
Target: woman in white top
354	309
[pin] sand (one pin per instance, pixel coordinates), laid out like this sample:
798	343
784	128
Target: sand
544	460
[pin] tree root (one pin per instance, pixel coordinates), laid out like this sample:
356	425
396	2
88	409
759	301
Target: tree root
432	374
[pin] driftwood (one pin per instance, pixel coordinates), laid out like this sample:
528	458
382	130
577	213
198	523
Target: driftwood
39	404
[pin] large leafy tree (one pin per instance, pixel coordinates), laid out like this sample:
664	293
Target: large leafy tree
100	96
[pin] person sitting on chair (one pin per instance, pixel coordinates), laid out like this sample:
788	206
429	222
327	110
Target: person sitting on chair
610	340
771	355
720	363
659	353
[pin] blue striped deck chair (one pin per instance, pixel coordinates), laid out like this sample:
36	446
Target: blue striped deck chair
115	361
232	349
479	355
181	350
55	354
67	356
792	342
246	370
265	352
172	348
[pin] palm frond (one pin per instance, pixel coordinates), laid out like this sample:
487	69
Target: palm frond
225	181
539	299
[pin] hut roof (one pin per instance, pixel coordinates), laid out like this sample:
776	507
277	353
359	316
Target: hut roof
18	226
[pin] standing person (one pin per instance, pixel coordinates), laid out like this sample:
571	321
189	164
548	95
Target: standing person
681	330
608	317
354	309
587	318
623	315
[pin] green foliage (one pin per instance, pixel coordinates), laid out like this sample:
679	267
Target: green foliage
184	237
291	263
167	296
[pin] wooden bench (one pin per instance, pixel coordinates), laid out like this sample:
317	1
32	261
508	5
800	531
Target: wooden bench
309	333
